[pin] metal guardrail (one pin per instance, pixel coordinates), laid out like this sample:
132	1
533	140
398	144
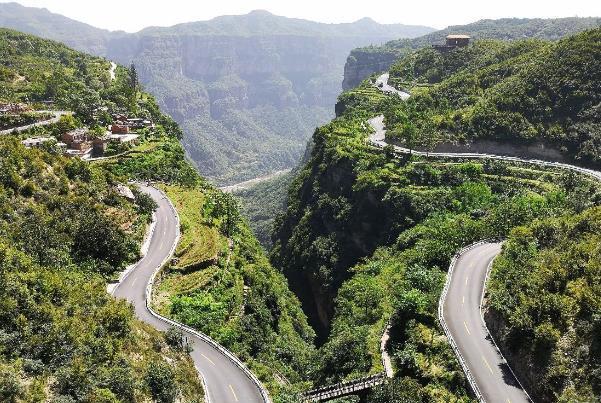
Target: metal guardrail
202	336
330	391
488	269
589	172
446	329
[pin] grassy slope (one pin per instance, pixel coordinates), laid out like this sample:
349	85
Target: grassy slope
371	237
200	242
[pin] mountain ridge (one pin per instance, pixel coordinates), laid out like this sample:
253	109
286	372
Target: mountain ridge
247	90
362	62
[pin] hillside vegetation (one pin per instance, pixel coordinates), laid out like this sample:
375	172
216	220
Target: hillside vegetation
544	296
363	62
225	287
66	231
262	202
523	92
247	90
367	238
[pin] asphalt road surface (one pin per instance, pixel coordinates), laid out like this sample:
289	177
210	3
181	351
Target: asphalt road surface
226	382
382	84
461	312
54	119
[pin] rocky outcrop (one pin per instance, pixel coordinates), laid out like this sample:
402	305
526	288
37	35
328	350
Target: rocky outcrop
537	150
364	62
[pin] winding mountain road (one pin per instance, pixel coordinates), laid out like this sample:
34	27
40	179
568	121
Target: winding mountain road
226	381
460	307
461	311
54	119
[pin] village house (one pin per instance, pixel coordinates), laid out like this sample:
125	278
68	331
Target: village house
119	129
453	41
78	143
99	145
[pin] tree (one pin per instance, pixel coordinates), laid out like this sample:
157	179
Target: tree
133	79
175	339
161	381
10	386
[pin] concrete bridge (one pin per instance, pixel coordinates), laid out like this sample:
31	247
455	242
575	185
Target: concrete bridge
358	387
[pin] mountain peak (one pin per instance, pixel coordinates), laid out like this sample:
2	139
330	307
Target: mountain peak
366	21
260	13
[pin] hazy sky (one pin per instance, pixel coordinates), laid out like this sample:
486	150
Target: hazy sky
132	15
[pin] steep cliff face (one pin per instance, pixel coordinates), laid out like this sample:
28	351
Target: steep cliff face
364	62
248	90
248	104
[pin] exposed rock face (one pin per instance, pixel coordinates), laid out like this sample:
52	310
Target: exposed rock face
364	62
247	90
217	87
535	150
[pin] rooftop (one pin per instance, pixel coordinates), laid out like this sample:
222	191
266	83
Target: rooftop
453	36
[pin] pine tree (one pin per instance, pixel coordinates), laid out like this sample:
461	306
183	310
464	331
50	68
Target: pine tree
133	78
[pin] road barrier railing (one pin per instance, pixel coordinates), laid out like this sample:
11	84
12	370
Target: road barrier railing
378	127
344	388
231	357
443	323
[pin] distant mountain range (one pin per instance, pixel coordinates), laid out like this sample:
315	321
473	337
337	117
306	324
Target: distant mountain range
248	90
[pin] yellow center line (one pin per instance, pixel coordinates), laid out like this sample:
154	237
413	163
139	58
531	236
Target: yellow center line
466	280
486	362
468	330
233	393
463	300
208	359
508	401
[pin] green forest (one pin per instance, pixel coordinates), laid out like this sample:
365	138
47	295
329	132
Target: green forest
381	58
363	243
262	202
520	92
65	232
544	293
62	337
226	287
368	235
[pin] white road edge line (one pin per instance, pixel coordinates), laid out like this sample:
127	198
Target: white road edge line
488	270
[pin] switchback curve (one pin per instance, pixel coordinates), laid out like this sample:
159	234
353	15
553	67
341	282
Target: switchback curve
226	379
